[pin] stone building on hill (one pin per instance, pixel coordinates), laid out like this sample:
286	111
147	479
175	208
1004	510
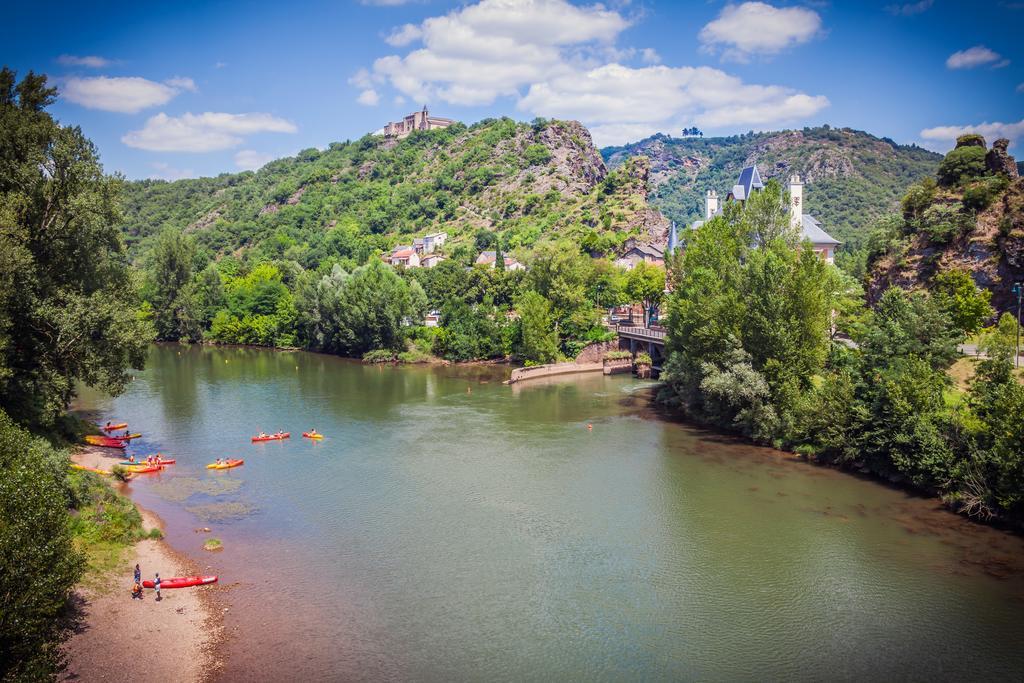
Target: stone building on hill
418	120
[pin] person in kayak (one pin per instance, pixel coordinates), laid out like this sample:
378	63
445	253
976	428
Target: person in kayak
156	585
131	458
312	432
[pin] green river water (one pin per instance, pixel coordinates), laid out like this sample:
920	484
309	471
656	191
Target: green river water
451	527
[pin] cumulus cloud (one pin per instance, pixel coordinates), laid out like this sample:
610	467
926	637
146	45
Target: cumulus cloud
944	137
909	9
163	171
91	61
1020	87
129	94
206	132
557	59
620	101
972	57
757	28
368	98
251	160
403	35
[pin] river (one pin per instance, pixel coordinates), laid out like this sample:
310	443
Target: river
451	527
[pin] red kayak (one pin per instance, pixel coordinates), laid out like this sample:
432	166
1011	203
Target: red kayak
182	582
105	441
272	437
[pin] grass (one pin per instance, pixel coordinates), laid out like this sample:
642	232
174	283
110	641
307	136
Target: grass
963	371
213	544
104	525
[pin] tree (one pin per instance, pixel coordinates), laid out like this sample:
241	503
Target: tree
539	339
67	300
559	273
646	283
965	304
961	165
175	309
39	566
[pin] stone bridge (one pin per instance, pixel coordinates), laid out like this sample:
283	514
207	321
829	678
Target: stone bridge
650	340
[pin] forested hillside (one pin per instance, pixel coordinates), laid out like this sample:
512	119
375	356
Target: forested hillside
852	178
355	198
969	217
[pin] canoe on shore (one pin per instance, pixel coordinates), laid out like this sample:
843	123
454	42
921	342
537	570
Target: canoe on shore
182	582
227	464
105	441
112	427
272	437
76	466
313	435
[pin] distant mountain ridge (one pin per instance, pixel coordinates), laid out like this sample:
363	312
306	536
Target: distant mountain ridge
851	177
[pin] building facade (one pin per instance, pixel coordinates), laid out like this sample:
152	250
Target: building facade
418	120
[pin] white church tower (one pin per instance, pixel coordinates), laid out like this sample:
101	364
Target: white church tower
796	201
710	204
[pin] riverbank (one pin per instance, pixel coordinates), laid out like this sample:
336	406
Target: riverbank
116	638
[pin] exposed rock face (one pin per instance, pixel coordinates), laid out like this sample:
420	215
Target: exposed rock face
999	161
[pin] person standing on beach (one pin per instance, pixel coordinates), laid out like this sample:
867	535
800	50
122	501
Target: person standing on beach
156	585
138	574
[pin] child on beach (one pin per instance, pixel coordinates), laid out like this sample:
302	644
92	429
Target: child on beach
137	591
138	574
156	585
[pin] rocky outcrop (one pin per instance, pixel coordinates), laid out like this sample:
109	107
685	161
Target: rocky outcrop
998	159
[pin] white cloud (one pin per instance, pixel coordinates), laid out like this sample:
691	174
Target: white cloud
127	95
404	35
164	171
618	100
979	55
553	58
369	98
757	28
650	56
909	9
91	61
991	131
1020	87
219	65
386	3
251	160
206	132
182	83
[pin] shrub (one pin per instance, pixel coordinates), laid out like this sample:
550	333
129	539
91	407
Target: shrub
213	544
643	359
536	155
617	355
945	222
980	194
962	165
379	356
120	473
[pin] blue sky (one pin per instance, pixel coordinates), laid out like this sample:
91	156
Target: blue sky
176	89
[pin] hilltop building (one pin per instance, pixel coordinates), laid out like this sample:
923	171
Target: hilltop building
750	182
418	120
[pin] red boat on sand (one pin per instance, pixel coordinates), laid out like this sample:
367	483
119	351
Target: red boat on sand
105	441
272	437
182	582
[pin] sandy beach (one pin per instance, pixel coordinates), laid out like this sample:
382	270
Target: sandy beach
121	639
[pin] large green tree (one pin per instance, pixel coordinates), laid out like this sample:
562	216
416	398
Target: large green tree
172	293
67	301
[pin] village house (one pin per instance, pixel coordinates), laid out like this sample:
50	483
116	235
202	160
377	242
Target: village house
420	120
750	182
404	256
430	260
488	258
429	243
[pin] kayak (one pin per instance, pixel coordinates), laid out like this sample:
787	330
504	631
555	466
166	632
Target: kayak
143	462
110	428
76	466
129	437
313	435
106	441
182	582
224	465
272	437
143	469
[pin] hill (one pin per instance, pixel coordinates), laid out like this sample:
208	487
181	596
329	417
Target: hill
354	198
852	177
969	217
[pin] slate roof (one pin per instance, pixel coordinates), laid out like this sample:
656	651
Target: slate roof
812	231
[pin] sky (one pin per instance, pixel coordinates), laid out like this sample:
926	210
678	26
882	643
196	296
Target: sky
183	89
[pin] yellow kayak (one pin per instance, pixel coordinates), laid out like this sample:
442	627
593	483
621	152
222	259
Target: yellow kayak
224	465
76	466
